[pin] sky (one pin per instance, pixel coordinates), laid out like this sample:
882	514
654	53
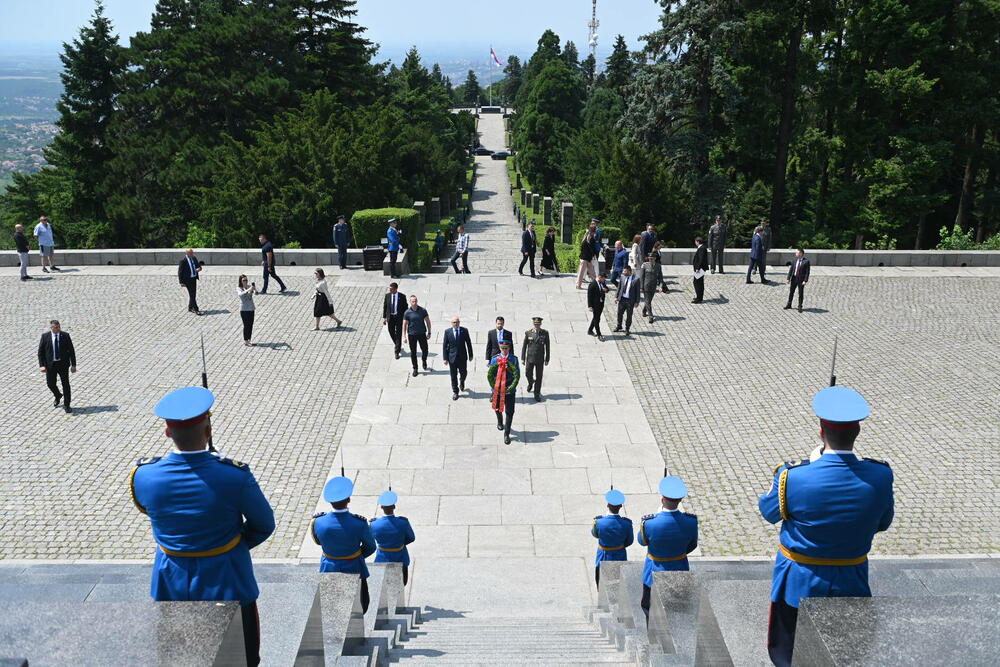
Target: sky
38	27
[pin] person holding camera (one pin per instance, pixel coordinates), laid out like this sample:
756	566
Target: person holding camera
246	292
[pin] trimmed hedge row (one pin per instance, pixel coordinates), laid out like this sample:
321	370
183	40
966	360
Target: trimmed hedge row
369	225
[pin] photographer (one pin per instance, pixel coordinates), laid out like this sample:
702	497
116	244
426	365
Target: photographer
246	292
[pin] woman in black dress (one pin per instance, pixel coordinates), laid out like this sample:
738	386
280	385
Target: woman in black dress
549	252
323	305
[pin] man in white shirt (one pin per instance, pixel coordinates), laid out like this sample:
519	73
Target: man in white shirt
461	250
46	243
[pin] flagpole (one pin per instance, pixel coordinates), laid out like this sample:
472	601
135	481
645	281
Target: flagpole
491	75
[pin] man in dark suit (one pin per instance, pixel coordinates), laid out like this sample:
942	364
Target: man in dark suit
56	356
596	293
699	265
393	307
528	247
187	274
342	240
492	349
757	256
717	242
456	352
798	276
646	241
627	298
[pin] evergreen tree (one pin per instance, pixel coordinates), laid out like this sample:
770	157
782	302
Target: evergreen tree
572	57
513	78
588	71
619	68
471	92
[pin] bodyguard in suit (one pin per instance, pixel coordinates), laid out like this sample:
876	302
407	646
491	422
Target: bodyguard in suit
650	277
535	352
798	276
456	352
346	538
596	293
757	256
830	510
206	512
528	246
717	242
57	356
393	307
392	533
627	299
613	533
699	265
188	270
669	535
492	347
342	240
506	374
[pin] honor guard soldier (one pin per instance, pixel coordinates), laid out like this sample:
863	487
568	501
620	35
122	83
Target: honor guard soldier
503	375
206	512
535	355
669	535
830	509
613	532
346	538
392	533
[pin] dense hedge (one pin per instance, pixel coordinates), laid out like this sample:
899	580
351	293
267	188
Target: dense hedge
369	225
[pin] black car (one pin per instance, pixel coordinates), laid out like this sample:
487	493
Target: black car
500	155
483	150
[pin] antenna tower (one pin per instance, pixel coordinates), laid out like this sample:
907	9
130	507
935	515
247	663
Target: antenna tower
592	26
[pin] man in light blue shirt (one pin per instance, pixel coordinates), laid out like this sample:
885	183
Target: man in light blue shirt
46	243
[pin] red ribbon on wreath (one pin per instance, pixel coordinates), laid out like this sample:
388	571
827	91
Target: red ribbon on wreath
499	400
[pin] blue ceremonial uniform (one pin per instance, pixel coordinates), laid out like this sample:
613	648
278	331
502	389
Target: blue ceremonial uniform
206	514
392	533
669	535
392	236
613	533
346	540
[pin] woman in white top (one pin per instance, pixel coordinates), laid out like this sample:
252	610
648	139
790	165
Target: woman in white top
634	260
246	290
323	304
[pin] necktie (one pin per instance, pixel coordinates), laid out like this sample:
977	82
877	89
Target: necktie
393	304
455	334
798	267
628	281
191	266
55	346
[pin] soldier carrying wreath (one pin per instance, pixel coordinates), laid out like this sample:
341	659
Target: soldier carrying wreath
503	375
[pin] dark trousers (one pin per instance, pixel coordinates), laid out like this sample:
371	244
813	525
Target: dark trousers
459	371
597	576
465	262
717	257
534	375
393	254
644	603
247	317
192	287
625	307
342	256
365	596
781	633
529	259
60	368
699	288
595	321
795	285
509	410
251	632
759	265
420	340
406	574
269	273
395	325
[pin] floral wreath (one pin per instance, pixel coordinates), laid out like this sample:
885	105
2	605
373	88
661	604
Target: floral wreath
515	376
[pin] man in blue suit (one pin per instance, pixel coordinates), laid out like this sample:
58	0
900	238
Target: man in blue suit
830	509
346	538
392	239
613	532
206	512
342	240
529	244
456	352
757	256
669	536
392	533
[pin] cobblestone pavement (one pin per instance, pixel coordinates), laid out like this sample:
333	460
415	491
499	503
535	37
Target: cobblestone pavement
727	387
280	406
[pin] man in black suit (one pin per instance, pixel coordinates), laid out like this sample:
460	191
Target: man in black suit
393	307
528	247
647	241
187	274
456	352
492	349
798	276
699	264
627	298
56	356
596	293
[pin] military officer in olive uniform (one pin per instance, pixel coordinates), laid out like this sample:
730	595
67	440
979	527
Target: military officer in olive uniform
392	533
206	512
613	532
830	509
669	536
346	538
535	355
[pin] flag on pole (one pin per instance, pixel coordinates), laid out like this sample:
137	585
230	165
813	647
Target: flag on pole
495	59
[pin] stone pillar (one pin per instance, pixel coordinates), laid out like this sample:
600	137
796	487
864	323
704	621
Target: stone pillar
567	222
517	184
547	211
525	197
434	211
421	210
536	200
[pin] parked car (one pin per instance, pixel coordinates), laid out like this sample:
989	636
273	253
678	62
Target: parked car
500	155
483	150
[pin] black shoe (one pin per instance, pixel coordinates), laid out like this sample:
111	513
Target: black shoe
713	272
397	354
800	309
461	385
198	312
425	365
749	282
467	271
538	398
44	270
600	338
520	273
695	300
721	271
55	403
281	290
531	385
499	427
454	397
506	440
56	268
68	409
414	372
788	307
590	333
651	319
627	333
263	291
616	330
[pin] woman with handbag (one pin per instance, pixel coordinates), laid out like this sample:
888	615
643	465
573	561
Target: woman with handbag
323	304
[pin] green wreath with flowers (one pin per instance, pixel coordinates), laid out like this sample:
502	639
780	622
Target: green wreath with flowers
515	376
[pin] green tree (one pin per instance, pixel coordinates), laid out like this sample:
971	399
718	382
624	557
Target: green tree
470	92
513	78
619	68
